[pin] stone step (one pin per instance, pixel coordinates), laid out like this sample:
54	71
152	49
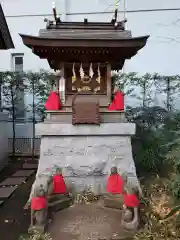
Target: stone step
59	204
23	173
13	181
6	192
57	197
113	203
30	165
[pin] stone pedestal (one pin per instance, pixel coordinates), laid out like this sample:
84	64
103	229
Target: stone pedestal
86	153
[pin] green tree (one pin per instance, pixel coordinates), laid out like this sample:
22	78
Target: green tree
12	86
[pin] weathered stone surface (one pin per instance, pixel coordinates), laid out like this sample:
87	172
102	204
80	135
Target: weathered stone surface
41	179
59	204
61	129
111	202
88	221
86	157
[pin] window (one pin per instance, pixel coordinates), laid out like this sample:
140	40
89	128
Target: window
17	62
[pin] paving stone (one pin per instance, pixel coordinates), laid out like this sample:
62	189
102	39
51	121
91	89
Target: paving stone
30	165
23	173
13	181
6	192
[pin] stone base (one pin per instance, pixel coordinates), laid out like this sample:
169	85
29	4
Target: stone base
56	197
86	153
59	204
65	116
113	202
41	229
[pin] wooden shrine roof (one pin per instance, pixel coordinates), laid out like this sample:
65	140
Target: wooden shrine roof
79	41
5	37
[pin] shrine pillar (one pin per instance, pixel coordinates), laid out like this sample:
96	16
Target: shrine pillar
60	84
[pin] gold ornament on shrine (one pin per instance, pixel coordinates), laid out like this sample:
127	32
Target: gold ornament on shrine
74	73
98	79
91	72
85	78
81	71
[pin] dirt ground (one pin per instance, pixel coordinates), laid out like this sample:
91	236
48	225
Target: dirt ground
14	221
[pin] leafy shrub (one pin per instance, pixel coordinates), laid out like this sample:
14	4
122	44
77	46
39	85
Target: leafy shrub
36	236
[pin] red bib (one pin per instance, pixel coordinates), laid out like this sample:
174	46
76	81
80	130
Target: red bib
130	200
38	203
115	184
118	102
59	186
53	102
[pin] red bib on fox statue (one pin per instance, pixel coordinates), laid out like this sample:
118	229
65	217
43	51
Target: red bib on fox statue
38	203
118	101
53	102
59	186
130	200
115	183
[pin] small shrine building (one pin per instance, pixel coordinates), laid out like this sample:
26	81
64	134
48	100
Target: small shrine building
84	137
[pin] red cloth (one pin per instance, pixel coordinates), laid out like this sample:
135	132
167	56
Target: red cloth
118	102
38	203
59	186
115	184
53	102
130	200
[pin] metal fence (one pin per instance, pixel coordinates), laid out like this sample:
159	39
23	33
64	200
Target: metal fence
24	146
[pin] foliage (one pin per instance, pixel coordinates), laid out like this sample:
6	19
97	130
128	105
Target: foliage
11	98
39	85
154	122
172	212
172	130
36	236
35	84
12	86
158	205
156	149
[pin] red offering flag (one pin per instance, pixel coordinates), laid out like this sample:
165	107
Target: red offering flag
53	102
38	203
59	186
118	102
115	184
130	200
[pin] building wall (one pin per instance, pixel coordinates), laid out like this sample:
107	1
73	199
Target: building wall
156	18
